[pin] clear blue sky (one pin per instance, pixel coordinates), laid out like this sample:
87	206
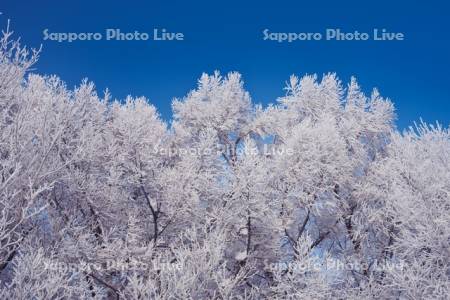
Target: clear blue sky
227	36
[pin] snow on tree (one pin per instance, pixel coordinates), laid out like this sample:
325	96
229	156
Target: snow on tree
317	196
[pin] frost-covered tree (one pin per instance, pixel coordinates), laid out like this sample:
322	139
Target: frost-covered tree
317	196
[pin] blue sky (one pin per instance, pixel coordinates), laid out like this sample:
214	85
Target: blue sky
228	36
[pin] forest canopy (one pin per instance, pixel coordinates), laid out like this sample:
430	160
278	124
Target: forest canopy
316	196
